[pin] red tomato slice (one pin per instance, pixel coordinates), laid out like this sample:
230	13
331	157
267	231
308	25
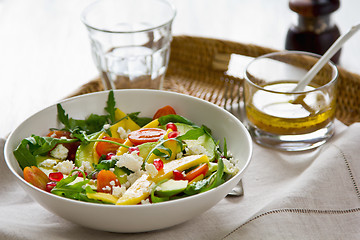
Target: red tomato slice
145	135
202	169
104	148
72	147
164	111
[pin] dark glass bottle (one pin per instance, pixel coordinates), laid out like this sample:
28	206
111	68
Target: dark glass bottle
314	31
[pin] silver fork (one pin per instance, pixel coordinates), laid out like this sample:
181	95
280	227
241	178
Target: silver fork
232	100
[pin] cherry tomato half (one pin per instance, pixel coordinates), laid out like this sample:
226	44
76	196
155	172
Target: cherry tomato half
145	135
104	148
202	169
164	111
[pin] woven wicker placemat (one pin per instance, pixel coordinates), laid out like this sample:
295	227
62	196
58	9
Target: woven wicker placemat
194	69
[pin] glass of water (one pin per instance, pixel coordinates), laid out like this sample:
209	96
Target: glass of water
130	41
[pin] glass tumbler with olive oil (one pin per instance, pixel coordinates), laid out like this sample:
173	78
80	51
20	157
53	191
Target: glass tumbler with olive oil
280	118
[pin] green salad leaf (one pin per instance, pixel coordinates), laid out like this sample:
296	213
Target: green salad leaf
35	145
110	107
175	119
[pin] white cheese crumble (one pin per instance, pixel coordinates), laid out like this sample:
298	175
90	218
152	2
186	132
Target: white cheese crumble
229	167
151	169
65	167
86	166
106	126
118	191
146	201
59	152
123	133
106	188
131	161
49	163
179	155
194	148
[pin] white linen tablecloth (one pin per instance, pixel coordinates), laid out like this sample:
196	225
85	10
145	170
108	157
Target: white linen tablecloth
309	195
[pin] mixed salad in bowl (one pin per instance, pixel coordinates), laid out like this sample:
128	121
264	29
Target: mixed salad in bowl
125	159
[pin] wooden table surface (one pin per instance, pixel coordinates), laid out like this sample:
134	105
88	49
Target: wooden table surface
45	52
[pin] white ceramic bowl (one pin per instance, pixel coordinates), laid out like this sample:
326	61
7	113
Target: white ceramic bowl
136	218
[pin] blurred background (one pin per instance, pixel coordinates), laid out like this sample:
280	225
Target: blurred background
45	51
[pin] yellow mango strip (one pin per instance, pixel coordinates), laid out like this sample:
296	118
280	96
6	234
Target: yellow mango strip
105	197
139	191
122	150
181	165
141	188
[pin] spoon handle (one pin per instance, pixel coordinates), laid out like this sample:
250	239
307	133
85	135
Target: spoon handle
325	58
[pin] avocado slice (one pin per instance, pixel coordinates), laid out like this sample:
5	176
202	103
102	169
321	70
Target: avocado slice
205	140
85	152
171	188
145	148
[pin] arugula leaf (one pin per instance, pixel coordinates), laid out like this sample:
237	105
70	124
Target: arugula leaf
110	108
29	147
160	145
175	119
76	191
63	118
225	149
211	182
192	134
141	121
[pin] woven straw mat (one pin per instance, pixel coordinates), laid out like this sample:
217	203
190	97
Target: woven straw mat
198	67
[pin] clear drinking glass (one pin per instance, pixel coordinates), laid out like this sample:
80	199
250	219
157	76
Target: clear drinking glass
130	41
277	117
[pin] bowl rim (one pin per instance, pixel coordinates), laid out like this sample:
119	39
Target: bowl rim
8	151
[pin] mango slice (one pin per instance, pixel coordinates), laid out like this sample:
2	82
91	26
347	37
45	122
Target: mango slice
100	196
181	165
141	188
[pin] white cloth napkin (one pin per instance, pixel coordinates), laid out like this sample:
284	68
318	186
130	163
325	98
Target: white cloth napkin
310	195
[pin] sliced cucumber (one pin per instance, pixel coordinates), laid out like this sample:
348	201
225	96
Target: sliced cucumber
171	188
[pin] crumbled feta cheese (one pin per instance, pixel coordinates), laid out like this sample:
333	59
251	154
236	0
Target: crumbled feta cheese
123	133
112	169
146	201
49	163
112	183
86	166
106	188
106	126
229	167
59	152
118	191
151	169
65	167
131	161
194	148
179	155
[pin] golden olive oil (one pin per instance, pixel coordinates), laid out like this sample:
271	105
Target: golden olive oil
277	112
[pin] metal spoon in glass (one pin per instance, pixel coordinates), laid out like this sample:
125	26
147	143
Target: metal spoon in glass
325	58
